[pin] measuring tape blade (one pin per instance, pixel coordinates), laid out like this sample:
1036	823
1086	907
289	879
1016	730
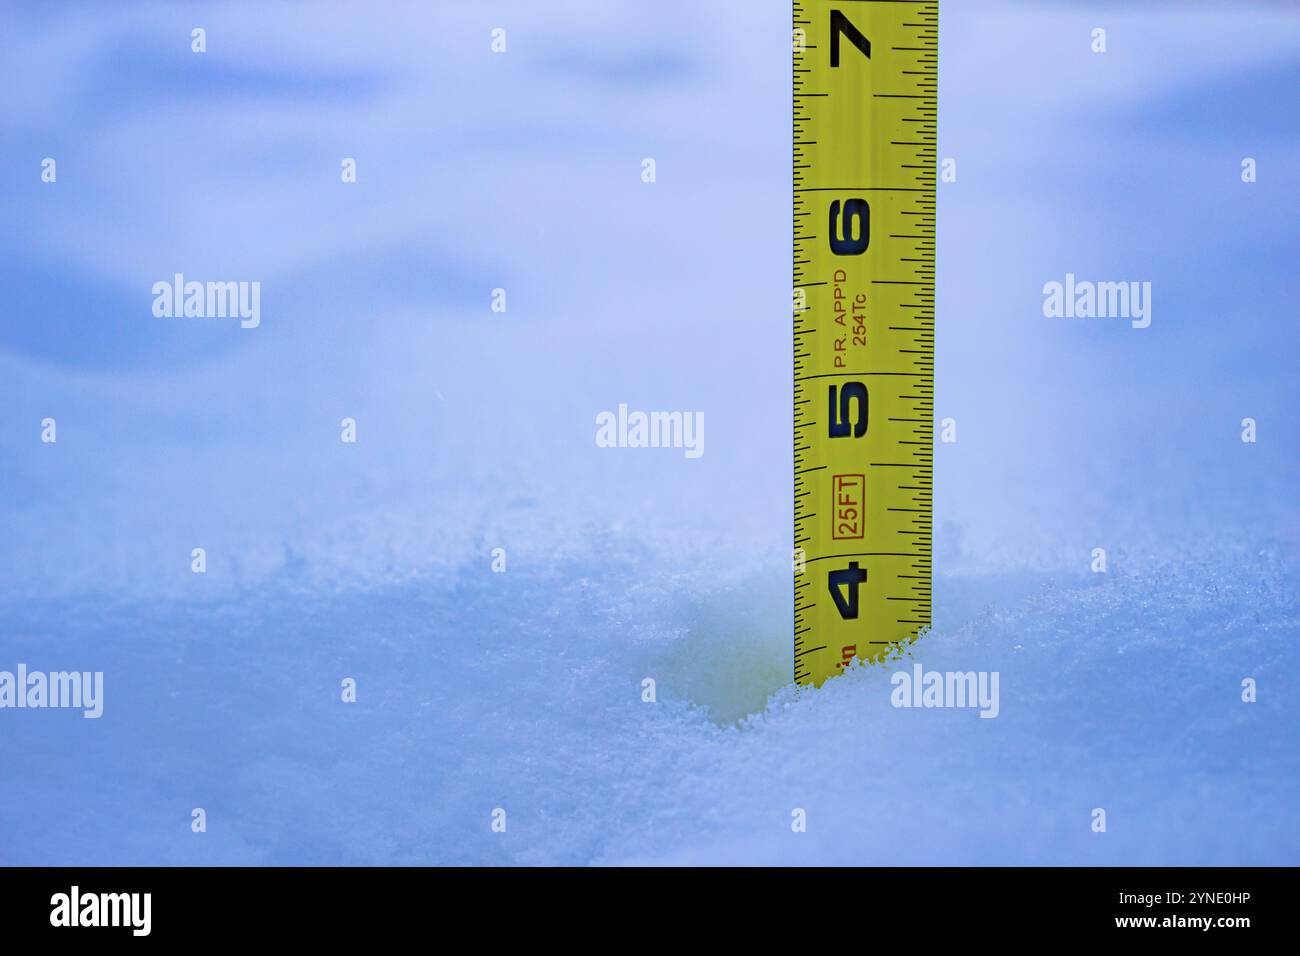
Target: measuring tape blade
865	108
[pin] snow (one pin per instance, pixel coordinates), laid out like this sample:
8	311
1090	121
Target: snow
522	691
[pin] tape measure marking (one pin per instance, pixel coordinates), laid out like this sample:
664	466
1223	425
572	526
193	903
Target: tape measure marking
865	108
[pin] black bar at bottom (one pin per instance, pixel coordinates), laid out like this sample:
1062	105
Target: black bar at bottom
213	905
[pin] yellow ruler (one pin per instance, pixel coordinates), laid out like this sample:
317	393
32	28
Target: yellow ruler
865	106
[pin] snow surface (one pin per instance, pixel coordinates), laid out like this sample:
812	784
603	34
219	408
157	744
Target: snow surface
522	690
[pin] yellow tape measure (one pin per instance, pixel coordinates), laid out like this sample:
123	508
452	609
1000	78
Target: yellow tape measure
865	106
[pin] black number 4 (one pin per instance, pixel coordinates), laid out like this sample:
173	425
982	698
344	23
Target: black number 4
849	578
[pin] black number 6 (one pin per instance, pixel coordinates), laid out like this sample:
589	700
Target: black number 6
856	212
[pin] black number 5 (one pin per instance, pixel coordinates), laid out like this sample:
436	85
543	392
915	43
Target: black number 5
841	400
